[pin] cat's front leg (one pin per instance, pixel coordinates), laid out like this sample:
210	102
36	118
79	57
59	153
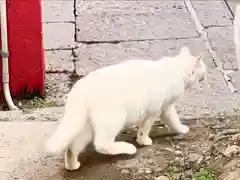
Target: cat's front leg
143	132
171	119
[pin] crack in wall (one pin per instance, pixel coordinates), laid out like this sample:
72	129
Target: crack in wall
74	56
229	8
134	40
75	18
204	36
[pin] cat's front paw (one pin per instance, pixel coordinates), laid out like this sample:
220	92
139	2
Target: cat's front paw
131	149
145	141
73	167
183	129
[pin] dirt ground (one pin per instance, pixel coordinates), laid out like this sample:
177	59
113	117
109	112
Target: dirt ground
209	151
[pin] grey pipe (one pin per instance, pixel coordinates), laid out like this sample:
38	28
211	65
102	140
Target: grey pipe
5	62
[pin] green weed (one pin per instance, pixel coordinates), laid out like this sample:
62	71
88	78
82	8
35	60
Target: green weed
40	103
203	174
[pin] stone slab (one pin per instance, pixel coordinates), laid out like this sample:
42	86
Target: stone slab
236	81
59	61
221	39
58	11
132	20
210	97
213	13
232	4
58	35
91	57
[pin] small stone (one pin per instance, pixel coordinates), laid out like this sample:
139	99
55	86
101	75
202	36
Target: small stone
150	161
236	137
211	136
148	171
232	150
169	149
178	153
195	158
20	104
177	147
141	171
125	171
177	158
162	178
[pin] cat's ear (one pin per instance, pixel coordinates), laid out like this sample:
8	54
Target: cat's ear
198	60
185	51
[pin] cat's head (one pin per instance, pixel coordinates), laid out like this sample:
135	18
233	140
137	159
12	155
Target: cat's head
195	65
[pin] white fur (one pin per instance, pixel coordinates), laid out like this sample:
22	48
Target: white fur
134	92
236	37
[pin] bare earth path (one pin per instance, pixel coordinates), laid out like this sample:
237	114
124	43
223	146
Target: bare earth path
212	144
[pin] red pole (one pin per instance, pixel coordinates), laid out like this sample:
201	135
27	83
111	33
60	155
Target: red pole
25	42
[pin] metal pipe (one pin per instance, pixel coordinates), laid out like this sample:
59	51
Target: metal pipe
5	62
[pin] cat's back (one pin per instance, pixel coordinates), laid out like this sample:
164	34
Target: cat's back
130	84
125	77
126	69
127	74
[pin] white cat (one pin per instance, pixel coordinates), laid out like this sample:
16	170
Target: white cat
236	37
134	92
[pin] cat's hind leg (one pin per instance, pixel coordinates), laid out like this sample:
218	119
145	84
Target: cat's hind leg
143	132
106	128
76	147
171	119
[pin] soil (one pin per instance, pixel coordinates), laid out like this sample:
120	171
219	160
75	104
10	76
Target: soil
209	151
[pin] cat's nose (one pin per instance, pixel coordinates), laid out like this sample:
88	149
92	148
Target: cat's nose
202	78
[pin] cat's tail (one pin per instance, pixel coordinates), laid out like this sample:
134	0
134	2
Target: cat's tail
237	35
72	123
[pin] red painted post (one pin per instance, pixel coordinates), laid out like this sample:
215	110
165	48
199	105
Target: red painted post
25	42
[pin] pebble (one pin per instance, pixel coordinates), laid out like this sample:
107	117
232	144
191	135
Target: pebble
148	171
162	178
211	136
150	161
169	149
236	137
232	150
125	171
178	153
195	158
141	171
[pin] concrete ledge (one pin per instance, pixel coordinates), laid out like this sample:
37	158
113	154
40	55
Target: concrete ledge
221	39
213	13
